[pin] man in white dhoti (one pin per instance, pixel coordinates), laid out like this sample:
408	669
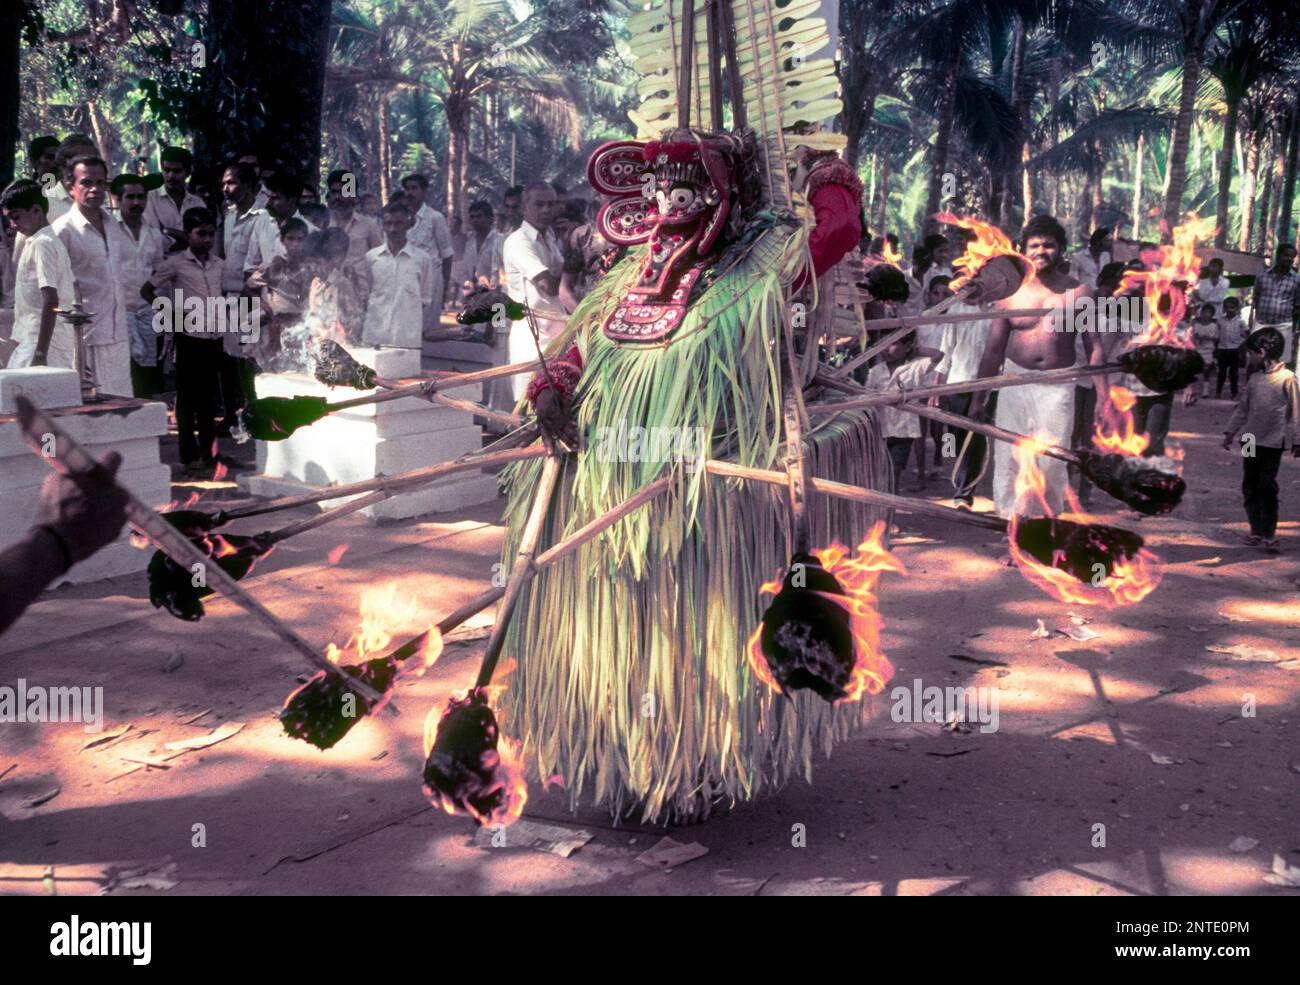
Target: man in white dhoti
1028	345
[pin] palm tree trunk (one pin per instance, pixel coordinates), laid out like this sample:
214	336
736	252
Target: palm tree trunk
1018	104
1225	169
385	165
1177	166
1056	131
1266	173
939	159
1288	183
1137	187
882	222
1246	201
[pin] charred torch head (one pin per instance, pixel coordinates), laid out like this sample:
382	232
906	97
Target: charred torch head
1135	481
1163	368
335	366
463	770
806	637
319	712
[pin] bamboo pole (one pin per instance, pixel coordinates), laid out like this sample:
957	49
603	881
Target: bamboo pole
74	461
989	430
1064	375
913	321
541	562
860	494
522	570
391	484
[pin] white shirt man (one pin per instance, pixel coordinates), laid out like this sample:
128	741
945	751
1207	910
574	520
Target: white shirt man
96	260
363	232
160	210
43	262
483	259
401	288
526	255
430	232
140	256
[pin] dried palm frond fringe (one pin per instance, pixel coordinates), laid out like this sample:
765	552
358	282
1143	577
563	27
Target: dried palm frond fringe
631	679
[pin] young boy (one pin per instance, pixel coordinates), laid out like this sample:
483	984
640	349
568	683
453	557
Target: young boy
1205	336
1268	419
42	282
282	282
904	365
1227	350
179	291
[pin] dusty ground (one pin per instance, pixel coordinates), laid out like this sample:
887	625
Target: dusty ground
1140	730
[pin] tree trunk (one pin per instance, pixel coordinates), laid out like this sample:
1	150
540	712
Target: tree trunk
1266	179
456	105
1246	200
1283	232
1137	187
10	90
385	163
1225	169
99	129
882	222
939	154
1056	131
1177	165
1018	103
263	83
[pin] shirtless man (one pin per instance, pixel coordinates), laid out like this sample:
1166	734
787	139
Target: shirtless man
1026	345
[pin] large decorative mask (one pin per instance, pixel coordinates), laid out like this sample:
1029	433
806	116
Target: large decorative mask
676	193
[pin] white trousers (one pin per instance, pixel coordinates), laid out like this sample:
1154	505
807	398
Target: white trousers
54	356
110	367
1044	409
523	349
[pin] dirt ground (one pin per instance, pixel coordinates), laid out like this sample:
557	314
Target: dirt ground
1185	760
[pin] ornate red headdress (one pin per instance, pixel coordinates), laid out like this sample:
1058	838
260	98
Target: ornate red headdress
677	193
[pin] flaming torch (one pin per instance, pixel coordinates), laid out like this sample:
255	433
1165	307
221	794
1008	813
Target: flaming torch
822	631
1081	563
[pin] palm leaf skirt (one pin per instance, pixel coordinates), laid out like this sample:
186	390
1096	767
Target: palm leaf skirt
630	677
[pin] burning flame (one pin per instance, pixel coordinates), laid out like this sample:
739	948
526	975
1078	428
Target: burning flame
1165	287
503	764
891	255
380	606
1129	582
218	547
1116	434
336	554
220	472
858	576
989	242
138	540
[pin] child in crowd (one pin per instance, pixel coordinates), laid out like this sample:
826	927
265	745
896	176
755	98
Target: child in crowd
193	274
1268	420
1227	350
904	365
283	283
1205	336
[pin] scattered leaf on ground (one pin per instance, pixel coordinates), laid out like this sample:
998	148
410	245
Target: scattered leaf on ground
174	662
103	737
1283	874
1079	633
1041	633
1160	760
552	838
667	853
1242	844
41	798
1245	652
194	718
218	734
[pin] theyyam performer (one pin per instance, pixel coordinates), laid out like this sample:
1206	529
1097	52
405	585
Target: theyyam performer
632	680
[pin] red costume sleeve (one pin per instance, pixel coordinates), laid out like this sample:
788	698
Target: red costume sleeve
838	229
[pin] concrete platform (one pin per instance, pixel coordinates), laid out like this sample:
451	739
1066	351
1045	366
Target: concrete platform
372	440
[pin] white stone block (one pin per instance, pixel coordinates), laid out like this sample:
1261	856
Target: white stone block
45	386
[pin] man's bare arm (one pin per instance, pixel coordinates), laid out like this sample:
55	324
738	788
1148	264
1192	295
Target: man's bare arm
995	354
